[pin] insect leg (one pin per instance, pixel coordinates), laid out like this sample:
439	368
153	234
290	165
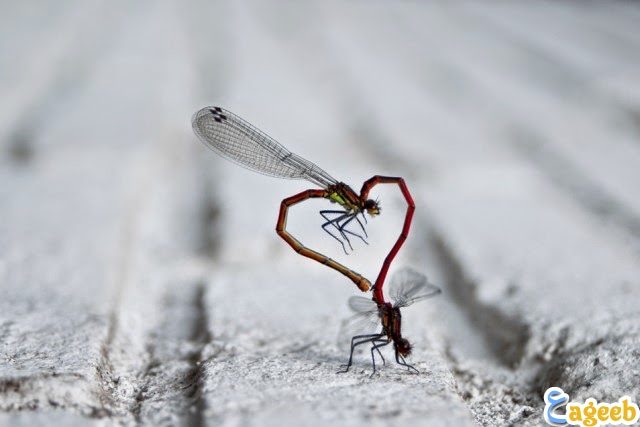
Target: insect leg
400	361
382	343
335	222
281	228
364	339
345	223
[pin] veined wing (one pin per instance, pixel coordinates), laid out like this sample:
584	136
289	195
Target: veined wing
365	321
237	140
362	305
409	286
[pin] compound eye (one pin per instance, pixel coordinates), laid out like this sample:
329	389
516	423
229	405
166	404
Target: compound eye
372	207
403	346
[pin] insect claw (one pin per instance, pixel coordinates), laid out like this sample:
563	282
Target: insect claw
343	369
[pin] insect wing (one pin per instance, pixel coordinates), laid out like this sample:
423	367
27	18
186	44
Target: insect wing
362	305
239	141
409	286
365	321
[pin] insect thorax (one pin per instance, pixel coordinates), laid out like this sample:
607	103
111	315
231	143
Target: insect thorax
343	195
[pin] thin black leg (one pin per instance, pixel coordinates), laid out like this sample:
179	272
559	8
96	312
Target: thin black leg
361	225
342	228
382	343
364	339
400	360
384	362
335	222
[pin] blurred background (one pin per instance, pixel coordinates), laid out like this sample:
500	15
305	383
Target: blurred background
516	126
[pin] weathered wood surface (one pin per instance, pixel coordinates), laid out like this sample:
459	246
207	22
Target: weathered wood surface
141	279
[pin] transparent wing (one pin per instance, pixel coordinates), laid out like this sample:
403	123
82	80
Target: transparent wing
239	141
365	321
409	286
362	305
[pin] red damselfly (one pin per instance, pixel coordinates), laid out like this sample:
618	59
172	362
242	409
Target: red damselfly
237	140
407	286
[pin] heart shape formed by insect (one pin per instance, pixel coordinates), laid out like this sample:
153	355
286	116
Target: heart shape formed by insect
239	141
342	192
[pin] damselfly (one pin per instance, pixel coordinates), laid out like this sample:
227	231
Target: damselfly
239	141
407	286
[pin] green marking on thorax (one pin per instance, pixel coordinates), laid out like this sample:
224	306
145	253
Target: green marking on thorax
335	197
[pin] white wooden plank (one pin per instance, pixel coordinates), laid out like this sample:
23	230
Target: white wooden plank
86	244
47	53
47	418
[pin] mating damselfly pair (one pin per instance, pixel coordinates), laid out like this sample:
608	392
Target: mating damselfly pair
237	140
